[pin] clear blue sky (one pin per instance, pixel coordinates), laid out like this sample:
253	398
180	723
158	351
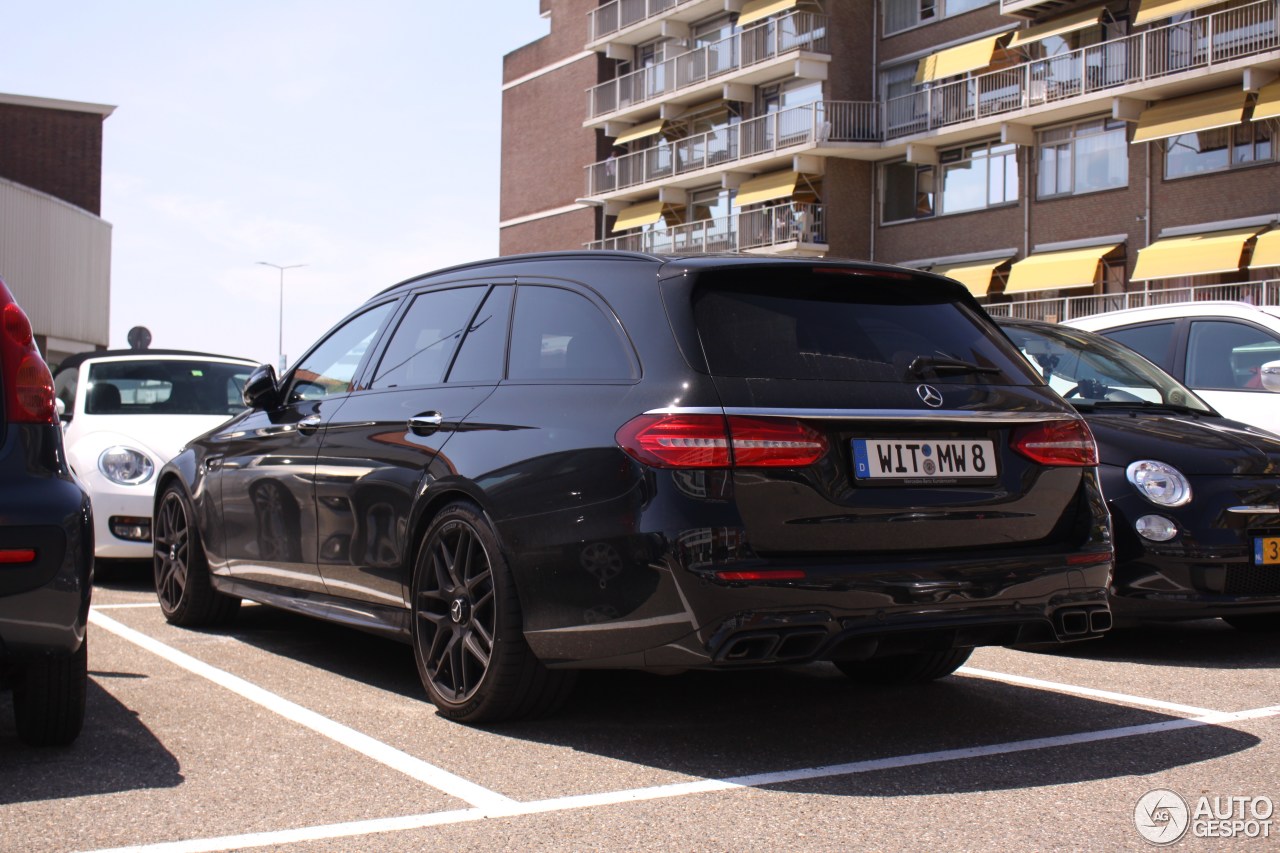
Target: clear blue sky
361	139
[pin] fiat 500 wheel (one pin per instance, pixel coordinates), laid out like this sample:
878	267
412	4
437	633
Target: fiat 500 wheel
467	631
183	584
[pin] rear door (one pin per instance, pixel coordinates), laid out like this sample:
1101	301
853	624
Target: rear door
918	396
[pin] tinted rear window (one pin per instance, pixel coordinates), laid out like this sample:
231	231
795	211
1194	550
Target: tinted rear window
800	324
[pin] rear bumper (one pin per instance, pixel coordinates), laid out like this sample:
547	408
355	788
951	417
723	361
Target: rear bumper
44	603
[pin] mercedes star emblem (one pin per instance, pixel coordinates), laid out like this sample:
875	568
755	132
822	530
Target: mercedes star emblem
930	395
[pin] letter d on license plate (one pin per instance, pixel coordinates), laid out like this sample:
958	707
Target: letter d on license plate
900	459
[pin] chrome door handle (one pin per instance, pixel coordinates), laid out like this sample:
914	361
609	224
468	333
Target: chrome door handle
426	423
308	425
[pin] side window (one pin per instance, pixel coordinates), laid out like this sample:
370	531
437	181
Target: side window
559	334
423	343
484	350
1153	341
330	367
1226	354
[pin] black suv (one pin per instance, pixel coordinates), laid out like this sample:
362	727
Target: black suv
46	547
550	462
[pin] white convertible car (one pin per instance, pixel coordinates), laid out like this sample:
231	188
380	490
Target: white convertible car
127	412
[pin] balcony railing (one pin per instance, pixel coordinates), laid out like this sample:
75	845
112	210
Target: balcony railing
1198	43
1071	307
754	45
804	126
778	225
620	14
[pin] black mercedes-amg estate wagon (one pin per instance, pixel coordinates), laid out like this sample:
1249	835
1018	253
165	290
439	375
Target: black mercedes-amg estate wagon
550	462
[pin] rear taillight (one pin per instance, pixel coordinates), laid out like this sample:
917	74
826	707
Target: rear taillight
12	556
1057	443
712	441
28	386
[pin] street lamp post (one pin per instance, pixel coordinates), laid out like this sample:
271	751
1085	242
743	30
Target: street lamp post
280	348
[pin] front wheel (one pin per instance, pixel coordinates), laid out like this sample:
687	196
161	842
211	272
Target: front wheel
48	698
905	669
183	584
468	637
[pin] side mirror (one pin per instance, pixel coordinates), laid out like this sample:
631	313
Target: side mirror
1270	373
260	389
61	408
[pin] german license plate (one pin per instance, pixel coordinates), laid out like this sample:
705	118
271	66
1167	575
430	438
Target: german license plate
1266	550
921	458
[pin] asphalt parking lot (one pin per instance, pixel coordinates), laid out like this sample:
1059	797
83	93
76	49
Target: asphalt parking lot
286	734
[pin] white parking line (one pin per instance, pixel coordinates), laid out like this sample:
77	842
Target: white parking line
126	606
454	786
408	822
1107	695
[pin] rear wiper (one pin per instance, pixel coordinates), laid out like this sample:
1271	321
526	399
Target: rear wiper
921	363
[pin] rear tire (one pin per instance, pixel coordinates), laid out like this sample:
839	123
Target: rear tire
468	633
905	669
183	584
1255	623
48	698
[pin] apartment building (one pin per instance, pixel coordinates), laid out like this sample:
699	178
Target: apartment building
1044	152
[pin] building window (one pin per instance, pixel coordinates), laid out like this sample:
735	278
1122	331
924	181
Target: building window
1083	158
1218	149
904	14
971	178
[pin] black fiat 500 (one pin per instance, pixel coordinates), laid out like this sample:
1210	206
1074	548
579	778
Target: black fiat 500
551	462
1194	497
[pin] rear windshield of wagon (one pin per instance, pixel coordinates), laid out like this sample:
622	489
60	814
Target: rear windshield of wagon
782	323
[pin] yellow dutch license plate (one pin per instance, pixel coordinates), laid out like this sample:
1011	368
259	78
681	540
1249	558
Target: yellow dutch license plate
1266	550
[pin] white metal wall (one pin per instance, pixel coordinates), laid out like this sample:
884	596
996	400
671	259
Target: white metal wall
56	258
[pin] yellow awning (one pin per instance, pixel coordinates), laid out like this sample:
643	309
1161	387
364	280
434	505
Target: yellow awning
975	275
1057	27
640	131
1220	108
1194	254
638	215
1266	252
757	9
957	60
1268	105
1052	270
766	188
1154	10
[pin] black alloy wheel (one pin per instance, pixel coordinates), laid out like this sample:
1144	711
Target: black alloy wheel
467	628
183	584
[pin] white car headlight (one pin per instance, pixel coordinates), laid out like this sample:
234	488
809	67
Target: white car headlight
1159	482
125	466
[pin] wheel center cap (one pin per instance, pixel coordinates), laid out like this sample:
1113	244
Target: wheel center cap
459	611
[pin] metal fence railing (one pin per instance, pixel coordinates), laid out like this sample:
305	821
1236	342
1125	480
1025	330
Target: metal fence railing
776	225
1150	55
609	18
756	44
1071	307
807	125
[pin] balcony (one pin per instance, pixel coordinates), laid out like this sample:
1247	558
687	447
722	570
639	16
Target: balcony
616	20
787	131
1071	307
783	229
756	46
1199	44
